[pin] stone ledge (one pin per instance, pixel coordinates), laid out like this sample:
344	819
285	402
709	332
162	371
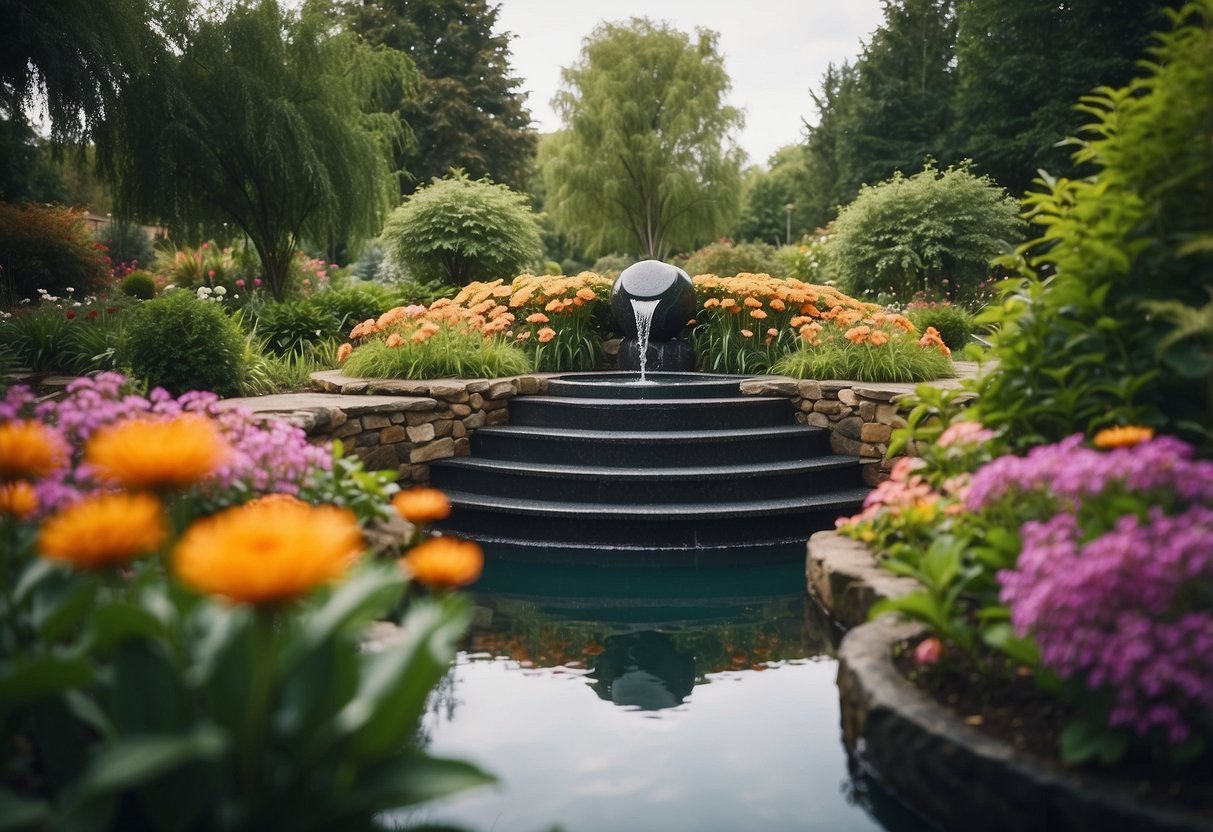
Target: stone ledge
844	576
959	777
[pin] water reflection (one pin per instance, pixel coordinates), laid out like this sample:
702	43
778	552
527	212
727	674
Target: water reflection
647	699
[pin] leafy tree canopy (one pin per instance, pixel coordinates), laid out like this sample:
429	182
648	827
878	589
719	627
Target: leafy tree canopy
468	112
264	118
459	229
646	161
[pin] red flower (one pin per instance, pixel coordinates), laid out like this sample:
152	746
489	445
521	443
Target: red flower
92	314
70	314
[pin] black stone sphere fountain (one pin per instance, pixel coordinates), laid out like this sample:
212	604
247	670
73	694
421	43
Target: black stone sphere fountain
652	302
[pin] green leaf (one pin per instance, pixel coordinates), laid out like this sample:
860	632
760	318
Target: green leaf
57	614
221	658
1001	636
148	689
20	813
42	677
119	621
410	779
1089	738
392	694
368	594
919	605
131	763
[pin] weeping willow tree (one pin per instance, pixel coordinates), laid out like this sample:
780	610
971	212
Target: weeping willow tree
265	118
646	161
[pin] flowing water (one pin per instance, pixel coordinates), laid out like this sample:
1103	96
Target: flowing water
647	699
643	310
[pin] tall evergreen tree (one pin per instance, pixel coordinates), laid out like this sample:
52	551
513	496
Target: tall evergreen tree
468	112
1023	64
822	187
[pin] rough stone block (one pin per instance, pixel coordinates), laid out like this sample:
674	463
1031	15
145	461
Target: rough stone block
418	418
498	417
443	427
380	458
827	406
870	471
476	385
867	411
337	417
475	401
528	385
396	418
819	420
875	432
848	397
463	447
460	410
350	428
806	405
886	413
843	445
502	389
438	449
495	404
475	420
375	421
458	429
403	451
421	433
850	427
391	435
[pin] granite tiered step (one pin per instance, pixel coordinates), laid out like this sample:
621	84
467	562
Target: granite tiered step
598	470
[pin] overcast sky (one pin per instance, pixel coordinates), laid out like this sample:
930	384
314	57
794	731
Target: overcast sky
775	51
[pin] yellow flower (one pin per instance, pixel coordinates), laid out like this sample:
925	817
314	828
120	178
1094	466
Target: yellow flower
269	552
422	505
546	334
30	450
1124	436
104	530
147	453
17	499
444	562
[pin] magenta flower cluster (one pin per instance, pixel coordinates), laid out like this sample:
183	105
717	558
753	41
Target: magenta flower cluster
268	457
1115	585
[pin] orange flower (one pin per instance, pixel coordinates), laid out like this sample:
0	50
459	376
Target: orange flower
711	303
422	505
878	338
444	562
29	450
728	303
524	335
777	304
772	332
857	334
17	499
811	310
753	303
267	553
586	293
394	340
270	499
747	333
147	453
104	530
1124	436
758	314
537	318
546	334
343	352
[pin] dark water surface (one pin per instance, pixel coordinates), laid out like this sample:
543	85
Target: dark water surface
648	700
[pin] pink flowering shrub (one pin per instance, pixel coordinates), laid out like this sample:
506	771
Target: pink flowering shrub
268	457
1114	578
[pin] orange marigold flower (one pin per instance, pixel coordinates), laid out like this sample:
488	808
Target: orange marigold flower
267	553
753	303
810	310
422	505
772	332
343	352
104	530
29	450
711	303
147	453
444	562
586	293
555	305
270	499
394	340
728	303
777	304
367	327
857	334
537	318
17	499
747	333
758	314
878	338
1124	436
524	335
546	334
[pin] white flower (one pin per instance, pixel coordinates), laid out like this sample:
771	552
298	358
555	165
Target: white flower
69	289
220	291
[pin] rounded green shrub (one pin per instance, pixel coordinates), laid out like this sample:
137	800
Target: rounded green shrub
953	323
290	325
460	230
726	259
139	284
181	343
909	234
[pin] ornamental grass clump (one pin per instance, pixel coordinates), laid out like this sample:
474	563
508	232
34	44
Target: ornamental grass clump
195	657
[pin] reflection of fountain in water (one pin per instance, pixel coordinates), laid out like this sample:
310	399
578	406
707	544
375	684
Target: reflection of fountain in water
643	310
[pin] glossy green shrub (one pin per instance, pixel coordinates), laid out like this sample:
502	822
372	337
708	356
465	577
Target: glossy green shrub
181	343
285	327
139	284
1090	326
47	248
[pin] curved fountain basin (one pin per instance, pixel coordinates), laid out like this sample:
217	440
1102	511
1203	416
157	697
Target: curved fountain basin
655	385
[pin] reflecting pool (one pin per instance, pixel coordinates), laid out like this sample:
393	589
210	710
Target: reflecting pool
649	700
